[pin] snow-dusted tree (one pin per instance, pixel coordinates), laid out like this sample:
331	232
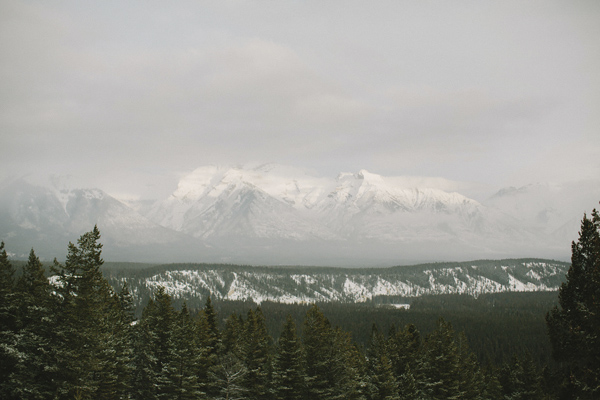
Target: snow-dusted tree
34	375
209	342
520	379
83	323
438	371
381	382
228	378
331	361
8	353
574	326
185	357
288	376
256	345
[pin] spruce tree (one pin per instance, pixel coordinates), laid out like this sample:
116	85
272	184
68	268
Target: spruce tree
34	375
209	342
574	326
289	377
332	370
144	372
8	352
256	343
161	318
439	371
228	373
317	336
83	326
382	384
185	357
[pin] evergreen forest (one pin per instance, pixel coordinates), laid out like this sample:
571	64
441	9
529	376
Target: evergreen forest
73	336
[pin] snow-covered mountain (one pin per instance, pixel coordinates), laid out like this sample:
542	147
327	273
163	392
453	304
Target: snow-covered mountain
357	214
48	217
273	214
193	283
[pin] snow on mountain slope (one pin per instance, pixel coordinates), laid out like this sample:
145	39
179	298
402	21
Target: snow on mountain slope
274	214
274	202
48	217
215	202
297	285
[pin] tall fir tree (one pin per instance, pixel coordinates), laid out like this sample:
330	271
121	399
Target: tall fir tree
289	377
439	369
317	338
256	357
228	374
185	357
8	321
382	384
143	375
574	326
332	370
34	375
83	324
209	341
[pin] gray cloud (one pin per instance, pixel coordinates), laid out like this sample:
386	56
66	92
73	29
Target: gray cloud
132	95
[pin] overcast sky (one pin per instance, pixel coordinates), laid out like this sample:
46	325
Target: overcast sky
131	95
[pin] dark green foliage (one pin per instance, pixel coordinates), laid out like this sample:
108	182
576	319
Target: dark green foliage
520	379
439	363
255	355
381	380
8	323
574	326
79	339
209	340
317	337
84	322
289	377
32	377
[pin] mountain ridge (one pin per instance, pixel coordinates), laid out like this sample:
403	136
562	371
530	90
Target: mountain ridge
194	282
273	214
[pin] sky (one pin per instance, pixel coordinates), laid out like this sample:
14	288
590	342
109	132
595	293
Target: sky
130	96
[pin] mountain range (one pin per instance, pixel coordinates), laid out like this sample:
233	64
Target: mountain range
273	214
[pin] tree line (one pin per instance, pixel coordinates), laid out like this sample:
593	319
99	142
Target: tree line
74	337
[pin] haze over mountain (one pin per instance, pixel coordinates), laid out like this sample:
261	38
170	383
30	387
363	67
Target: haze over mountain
275	214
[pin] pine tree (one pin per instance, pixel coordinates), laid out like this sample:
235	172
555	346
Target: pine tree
439	371
8	328
83	318
228	374
520	379
209	342
161	318
256	343
348	368
117	355
382	384
574	326
317	338
332	370
404	346
35	372
471	378
185	357
144	375
289	377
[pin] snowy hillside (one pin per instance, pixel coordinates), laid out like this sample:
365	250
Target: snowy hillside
307	285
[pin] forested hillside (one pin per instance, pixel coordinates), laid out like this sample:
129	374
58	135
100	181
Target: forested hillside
78	338
304	285
75	337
